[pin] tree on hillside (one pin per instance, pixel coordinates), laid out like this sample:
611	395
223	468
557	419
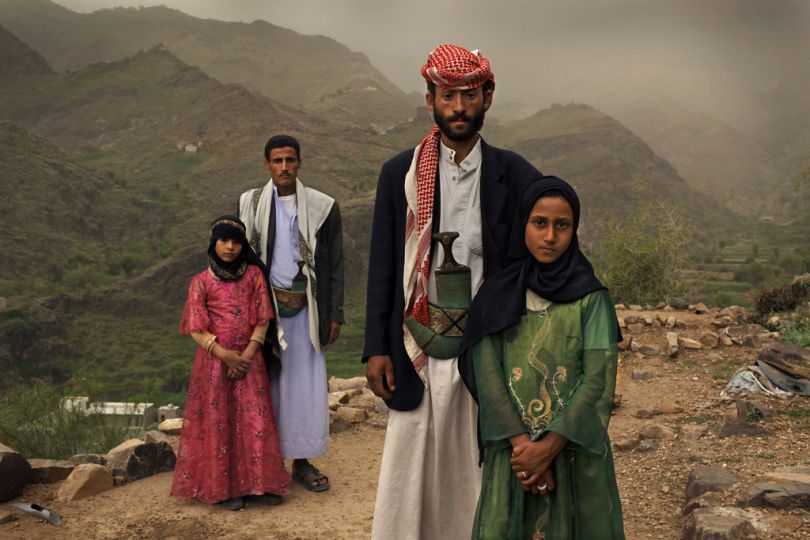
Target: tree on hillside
641	257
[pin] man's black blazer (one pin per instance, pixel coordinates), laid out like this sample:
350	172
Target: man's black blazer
504	177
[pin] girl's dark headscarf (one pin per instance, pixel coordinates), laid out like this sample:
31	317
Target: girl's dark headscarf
501	300
231	228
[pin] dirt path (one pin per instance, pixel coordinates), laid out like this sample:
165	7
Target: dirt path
143	509
651	483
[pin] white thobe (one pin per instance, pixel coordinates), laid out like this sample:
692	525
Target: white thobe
429	476
300	396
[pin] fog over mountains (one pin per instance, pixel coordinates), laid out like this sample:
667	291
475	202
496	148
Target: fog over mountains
717	88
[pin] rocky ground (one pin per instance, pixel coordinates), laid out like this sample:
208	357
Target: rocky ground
671	434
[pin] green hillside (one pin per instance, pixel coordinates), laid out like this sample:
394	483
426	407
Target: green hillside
67	227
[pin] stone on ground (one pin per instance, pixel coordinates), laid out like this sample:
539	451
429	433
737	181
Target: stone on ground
693	432
672	344
15	472
82	459
677	303
688	343
336	399
735	428
336	423
705	479
626	444
85	481
370	403
719	524
709	339
49	471
155	436
648	350
647	445
171	426
636	328
657	431
711	499
352	415
787	487
667	408
355	383
117	457
135	459
149	459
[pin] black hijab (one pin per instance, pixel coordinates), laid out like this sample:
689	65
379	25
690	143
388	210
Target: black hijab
501	300
229	227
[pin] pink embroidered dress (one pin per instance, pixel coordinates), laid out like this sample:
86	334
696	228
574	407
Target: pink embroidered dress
229	445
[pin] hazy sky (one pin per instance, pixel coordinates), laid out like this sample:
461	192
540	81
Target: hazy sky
549	50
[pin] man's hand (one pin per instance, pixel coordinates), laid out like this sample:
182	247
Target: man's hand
380	375
334	333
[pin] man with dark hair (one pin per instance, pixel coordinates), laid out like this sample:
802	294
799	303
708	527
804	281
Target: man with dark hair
297	232
453	181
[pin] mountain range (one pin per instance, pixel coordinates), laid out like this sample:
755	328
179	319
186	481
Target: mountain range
96	178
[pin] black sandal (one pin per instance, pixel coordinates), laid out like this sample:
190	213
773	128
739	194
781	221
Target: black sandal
310	477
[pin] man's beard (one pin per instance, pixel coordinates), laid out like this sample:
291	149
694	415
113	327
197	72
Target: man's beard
475	123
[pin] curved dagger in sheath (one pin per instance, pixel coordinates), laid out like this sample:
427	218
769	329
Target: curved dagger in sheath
449	315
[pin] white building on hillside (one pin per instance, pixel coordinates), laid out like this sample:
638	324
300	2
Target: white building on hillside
139	415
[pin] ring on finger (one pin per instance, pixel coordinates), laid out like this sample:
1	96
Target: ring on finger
542	486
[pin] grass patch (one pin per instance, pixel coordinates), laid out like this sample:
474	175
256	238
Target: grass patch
35	425
701	419
798	333
797	413
345	364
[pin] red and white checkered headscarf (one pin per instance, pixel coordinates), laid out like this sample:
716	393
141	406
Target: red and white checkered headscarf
456	68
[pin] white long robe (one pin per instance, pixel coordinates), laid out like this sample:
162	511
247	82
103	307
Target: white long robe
429	476
300	397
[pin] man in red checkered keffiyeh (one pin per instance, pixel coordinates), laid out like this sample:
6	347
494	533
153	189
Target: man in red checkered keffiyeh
452	69
429	475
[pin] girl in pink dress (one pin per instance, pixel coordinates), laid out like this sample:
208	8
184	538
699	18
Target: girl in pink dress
229	447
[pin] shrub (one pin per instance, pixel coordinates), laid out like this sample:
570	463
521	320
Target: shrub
641	257
785	298
33	422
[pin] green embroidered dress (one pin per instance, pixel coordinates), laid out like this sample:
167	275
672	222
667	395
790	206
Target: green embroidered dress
555	370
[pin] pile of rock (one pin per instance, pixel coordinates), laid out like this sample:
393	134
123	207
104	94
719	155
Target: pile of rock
352	403
731	324
84	475
709	513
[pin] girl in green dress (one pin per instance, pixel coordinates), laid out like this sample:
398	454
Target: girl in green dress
541	357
